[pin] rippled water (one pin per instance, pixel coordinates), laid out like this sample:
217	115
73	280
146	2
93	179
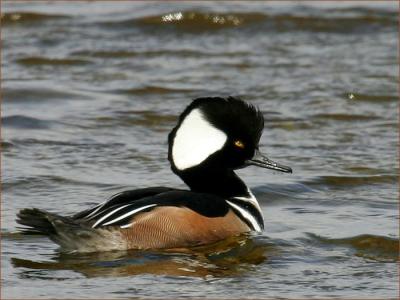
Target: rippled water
91	89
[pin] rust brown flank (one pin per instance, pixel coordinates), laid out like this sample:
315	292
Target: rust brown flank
170	226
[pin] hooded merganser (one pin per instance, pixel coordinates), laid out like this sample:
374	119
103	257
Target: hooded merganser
213	137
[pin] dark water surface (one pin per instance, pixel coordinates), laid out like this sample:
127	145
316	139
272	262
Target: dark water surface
91	89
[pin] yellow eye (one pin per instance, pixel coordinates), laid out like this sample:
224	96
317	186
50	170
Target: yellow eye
239	144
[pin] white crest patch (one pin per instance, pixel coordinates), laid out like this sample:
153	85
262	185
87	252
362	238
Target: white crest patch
195	140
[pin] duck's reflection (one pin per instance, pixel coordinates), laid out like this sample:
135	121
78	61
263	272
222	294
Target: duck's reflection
225	258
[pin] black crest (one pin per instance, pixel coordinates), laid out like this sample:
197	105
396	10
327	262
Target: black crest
232	115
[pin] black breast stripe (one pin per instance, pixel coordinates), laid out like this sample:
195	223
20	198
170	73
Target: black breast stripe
253	211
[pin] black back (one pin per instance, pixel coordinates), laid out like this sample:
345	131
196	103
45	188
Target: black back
205	204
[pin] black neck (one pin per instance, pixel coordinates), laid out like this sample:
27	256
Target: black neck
223	183
226	184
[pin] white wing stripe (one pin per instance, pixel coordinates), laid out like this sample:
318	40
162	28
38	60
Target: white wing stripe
126	225
95	211
246	215
109	214
99	206
129	213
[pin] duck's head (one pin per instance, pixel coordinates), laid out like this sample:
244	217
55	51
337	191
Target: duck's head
218	134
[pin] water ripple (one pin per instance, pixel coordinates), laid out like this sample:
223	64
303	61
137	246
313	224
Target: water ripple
146	90
348	181
39	61
195	21
25	122
375	247
28	17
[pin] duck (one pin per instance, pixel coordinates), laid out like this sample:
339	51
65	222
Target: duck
213	138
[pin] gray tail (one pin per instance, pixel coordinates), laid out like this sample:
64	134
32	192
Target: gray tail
65	231
43	222
36	221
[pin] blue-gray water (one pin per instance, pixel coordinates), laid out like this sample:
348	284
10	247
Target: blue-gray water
91	89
